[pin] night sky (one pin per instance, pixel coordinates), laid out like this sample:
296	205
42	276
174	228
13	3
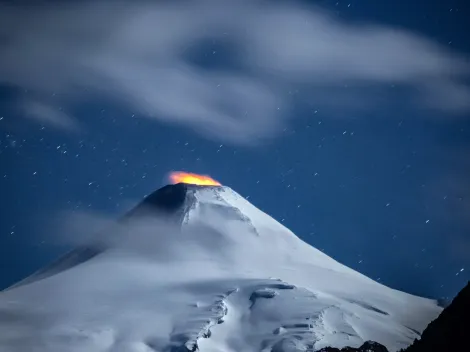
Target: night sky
372	178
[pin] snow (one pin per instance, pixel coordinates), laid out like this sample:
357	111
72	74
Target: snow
227	278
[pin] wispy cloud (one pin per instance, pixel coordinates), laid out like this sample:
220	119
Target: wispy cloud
147	233
142	54
49	115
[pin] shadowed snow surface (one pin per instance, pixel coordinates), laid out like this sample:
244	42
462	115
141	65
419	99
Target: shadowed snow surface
201	268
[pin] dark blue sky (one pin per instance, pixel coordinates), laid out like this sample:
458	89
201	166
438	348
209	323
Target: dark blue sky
386	191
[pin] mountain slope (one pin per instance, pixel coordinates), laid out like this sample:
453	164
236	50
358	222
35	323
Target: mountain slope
202	268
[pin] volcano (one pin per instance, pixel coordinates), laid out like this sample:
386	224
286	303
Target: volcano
199	268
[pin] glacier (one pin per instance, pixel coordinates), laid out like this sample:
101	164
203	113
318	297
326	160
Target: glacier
200	268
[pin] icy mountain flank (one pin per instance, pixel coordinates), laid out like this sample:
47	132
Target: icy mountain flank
200	268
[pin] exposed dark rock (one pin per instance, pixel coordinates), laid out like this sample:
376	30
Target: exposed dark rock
262	293
368	346
207	334
369	307
281	286
450	331
166	199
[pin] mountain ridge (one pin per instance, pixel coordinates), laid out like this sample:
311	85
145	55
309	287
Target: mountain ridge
449	331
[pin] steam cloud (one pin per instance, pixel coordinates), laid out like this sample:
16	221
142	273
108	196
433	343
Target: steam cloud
147	235
142	54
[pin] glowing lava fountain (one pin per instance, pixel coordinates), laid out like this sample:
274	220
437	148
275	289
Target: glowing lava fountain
194	179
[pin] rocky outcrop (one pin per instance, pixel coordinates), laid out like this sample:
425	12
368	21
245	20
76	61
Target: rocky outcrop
368	346
450	331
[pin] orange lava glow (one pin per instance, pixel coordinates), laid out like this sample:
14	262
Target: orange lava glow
194	179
